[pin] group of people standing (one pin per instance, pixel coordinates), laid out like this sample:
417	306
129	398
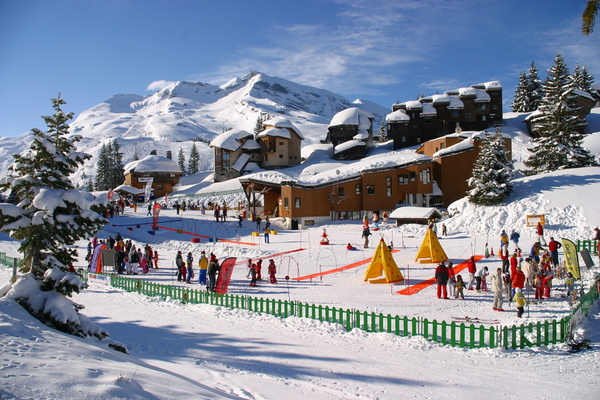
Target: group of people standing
129	259
516	275
255	271
208	269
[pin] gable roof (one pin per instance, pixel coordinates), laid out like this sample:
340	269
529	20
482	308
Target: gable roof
153	163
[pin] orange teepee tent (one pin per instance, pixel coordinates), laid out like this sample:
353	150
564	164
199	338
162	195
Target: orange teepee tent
431	250
383	262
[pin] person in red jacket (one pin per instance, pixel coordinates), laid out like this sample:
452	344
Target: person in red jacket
471	268
553	247
441	277
513	264
272	271
518	280
539	229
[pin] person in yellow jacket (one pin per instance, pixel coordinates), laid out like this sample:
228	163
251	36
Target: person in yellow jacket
520	301
203	265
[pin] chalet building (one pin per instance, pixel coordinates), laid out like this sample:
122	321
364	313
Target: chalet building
351	134
474	108
237	152
454	157
163	172
280	142
405	181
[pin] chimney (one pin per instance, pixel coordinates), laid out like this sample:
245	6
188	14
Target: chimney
169	155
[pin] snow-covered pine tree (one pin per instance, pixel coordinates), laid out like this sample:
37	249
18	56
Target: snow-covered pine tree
194	160
521	97
382	132
557	126
117	175
492	173
181	161
534	88
258	126
582	78
50	217
103	169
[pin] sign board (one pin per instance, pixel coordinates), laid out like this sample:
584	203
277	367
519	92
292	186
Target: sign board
145	180
225	275
587	259
532	220
99	279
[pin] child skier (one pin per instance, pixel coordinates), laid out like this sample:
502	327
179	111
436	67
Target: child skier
460	286
520	301
272	271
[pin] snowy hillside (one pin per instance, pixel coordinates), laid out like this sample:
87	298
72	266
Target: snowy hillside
184	111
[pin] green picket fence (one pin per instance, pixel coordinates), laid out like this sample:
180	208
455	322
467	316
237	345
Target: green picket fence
9	261
448	333
589	245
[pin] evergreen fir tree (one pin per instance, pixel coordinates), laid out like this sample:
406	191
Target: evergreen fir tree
534	88
136	155
50	217
117	175
582	78
521	99
194	160
258	127
492	173
382	132
557	126
181	161
103	169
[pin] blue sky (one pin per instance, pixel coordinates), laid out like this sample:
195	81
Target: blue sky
383	51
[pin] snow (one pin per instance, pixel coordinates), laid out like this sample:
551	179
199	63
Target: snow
398	115
352	116
275	132
412	212
203	351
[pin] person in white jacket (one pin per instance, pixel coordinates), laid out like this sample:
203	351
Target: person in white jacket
497	290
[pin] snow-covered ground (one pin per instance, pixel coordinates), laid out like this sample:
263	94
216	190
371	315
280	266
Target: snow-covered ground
202	351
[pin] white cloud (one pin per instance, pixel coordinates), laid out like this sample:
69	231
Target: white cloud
158	85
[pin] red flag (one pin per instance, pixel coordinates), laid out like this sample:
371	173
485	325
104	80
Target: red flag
225	275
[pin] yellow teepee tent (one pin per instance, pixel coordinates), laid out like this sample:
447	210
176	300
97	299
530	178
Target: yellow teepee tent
431	250
383	262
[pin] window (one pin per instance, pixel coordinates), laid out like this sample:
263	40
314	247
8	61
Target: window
358	189
281	156
388	186
159	187
454	113
425	175
482	106
281	143
413	176
286	202
297	202
428	120
370	189
403	179
403	139
341	192
226	161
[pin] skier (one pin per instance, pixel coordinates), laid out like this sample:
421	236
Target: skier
258	267
520	301
518	280
365	234
272	271
190	267
180	265
471	268
202	265
497	290
451	280
441	277
514	237
460	287
213	269
253	275
503	240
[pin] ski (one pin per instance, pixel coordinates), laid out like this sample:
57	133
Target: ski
476	320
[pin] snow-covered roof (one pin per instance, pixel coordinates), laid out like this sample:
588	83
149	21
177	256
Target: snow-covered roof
352	116
440	98
428	109
238	165
398	115
583	93
153	163
458	147
251	144
488	85
129	189
283	123
275	132
230	140
361	135
414	213
482	96
413	105
348	145
455	103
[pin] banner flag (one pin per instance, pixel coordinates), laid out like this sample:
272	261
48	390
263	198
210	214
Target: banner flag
148	189
571	257
155	212
225	275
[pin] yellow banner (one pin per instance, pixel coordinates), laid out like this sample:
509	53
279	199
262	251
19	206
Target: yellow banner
571	257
